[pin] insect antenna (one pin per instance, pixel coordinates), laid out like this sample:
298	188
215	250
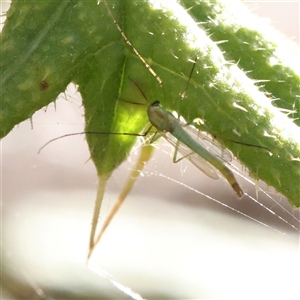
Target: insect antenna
141	91
131	102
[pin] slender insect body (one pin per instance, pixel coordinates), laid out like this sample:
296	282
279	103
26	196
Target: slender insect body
165	121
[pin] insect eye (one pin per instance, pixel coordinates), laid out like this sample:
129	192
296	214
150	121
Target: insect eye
155	103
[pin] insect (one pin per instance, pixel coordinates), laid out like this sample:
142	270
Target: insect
164	121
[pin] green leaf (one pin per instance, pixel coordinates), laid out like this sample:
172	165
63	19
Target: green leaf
46	45
247	41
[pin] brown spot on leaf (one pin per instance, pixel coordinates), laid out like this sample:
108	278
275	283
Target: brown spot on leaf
43	85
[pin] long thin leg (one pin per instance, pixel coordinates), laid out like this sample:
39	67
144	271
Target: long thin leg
188	82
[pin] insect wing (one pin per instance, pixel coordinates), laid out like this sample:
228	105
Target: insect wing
193	157
210	144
